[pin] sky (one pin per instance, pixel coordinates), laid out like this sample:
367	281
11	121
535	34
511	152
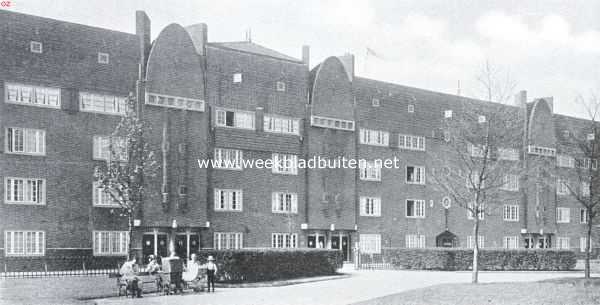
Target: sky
548	48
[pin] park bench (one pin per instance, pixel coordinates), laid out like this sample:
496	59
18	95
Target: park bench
145	278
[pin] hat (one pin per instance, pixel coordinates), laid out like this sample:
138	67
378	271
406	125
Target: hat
211	258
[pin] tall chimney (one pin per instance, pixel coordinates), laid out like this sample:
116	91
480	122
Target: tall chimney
199	34
306	55
521	99
142	30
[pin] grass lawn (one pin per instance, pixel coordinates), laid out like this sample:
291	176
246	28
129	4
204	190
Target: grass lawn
575	291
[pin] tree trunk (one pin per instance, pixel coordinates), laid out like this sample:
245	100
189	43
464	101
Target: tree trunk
130	241
588	245
475	273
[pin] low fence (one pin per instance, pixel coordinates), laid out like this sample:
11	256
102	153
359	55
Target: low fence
21	267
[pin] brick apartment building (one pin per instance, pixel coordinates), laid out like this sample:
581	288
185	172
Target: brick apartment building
64	87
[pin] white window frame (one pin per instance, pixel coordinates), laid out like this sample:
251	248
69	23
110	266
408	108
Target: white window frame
510	242
332	123
541	151
411	142
563	215
28	189
37	148
583	244
471	241
34	246
509	154
228	158
375	102
481	119
241	119
237	78
563	242
583	219
118	242
36	47
171	101
370	171
284	240
480	212
30	95
410	108
374	137
284	202
510	182
285	164
281	124
280	86
103	58
418	176
414	241
370	206
561	186
102	148
447	114
565	161
102	199
418	208
585	189
228	240
511	212
233	200
370	243
102	103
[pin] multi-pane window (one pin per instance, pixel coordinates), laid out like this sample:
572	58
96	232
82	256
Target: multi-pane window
481	119
25	141
415	208
279	124
562	187
36	47
586	163
471	241
583	216
411	108
237	77
541	151
283	202
510	242
511	212
24	191
375	102
370	243
411	142
370	206
475	181
102	103
480	211
565	161
374	137
509	154
415	174
228	240
414	241
563	215
319	121
103	58
563	243
510	182
236	119
110	242
477	151
583	244
370	170
178	102
33	95
24	243
285	164
102	198
110	148
280	86
228	200
447	114
228	158
585	189
284	240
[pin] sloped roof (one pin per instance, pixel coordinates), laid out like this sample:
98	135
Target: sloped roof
250	47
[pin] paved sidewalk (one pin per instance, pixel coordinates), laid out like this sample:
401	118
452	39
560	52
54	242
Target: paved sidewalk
362	285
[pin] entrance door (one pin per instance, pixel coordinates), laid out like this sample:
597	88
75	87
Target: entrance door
346	247
181	246
312	241
147	246
335	242
194	243
163	246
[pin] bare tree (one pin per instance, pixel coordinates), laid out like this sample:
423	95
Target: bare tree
129	162
495	84
586	141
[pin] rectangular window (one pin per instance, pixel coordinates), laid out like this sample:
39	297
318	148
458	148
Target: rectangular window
370	206
281	86
228	200
415	241
228	240
284	240
510	242
370	171
103	58
471	241
565	161
25	141
448	114
110	243
102	103
583	244
285	164
235	119
24	243
411	142
563	215
36	47
325	122
283	202
228	158
110	148
177	102
370	243
415	208
480	211
415	175
24	191
101	198
583	216
32	95
478	151
541	151
563	243
586	163
562	186
509	154
374	137
280	124
510	183
585	189
237	77
511	212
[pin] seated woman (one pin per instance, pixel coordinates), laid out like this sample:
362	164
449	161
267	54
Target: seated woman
153	265
127	271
